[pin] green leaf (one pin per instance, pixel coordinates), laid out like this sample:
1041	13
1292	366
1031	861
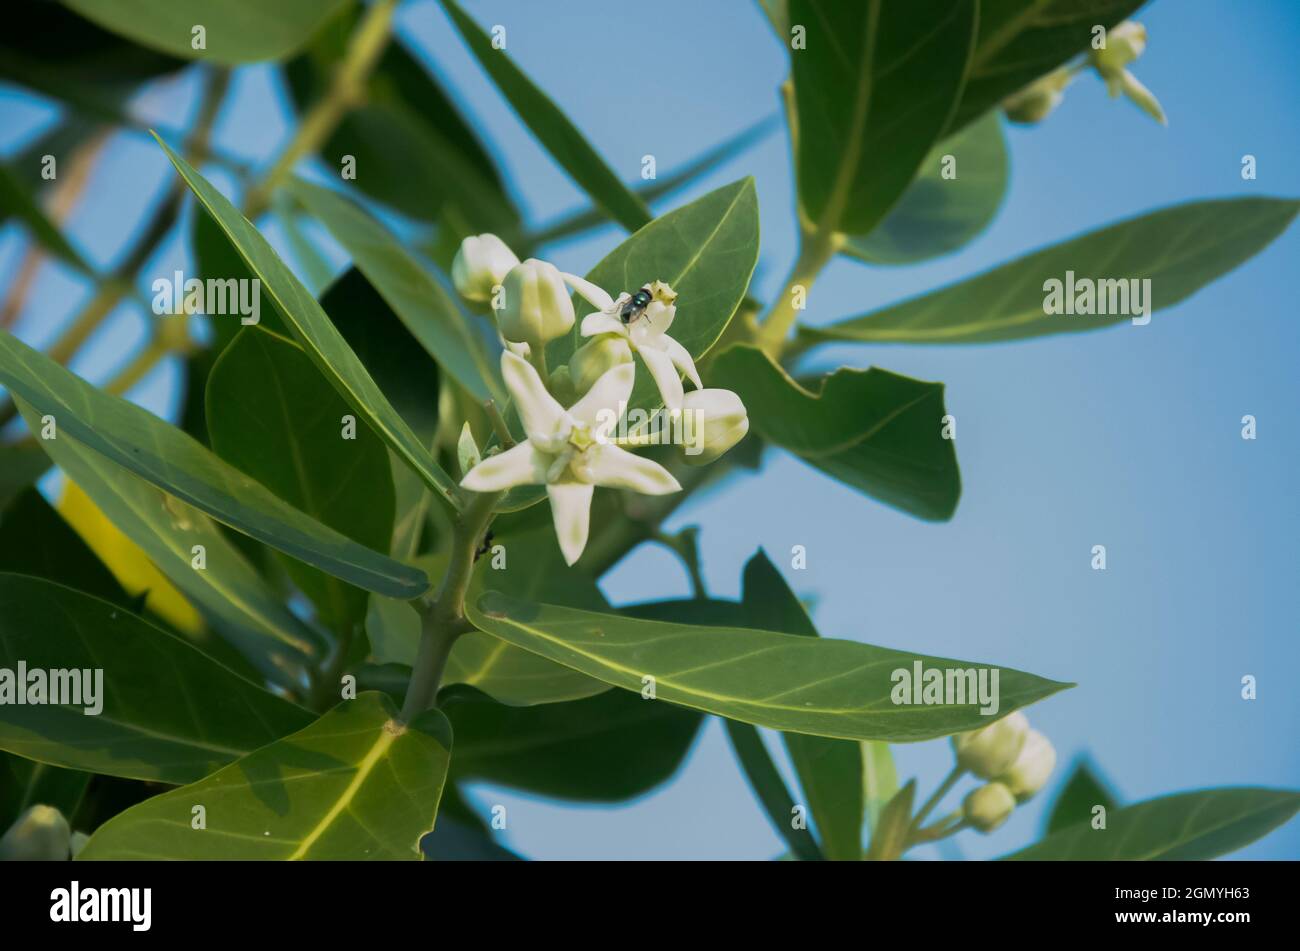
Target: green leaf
531	566
1188	827
15	200
230	592
938	215
876	431
771	790
1079	794
35	540
805	685
217	260
312	328
1179	249
429	312
830	771
169	713
553	129
874	90
237	31
353	784
134	438
20	465
879	779
604	748
24	783
706	250
889	838
1020	40
274	417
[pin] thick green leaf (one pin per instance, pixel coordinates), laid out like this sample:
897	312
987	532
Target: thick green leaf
20	466
237	31
1020	40
1190	826
877	431
429	312
874	90
217	260
274	417
531	567
15	200
830	771
1179	249
706	250
553	129
313	330
231	594
938	215
805	685
1079	795
602	749
352	785
771	790
35	540
169	713
25	783
177	463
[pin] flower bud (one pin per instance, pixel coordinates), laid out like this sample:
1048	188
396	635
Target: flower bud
990	751
482	262
1036	101
988	806
713	422
537	304
601	353
1124	43
1029	772
41	834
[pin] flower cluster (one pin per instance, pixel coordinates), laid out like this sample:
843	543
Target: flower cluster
1015	759
573	450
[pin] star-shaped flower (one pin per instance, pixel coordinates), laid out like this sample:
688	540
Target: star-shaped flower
568	451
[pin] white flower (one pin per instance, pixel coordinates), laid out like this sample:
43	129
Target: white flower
1037	101
1029	772
482	263
664	357
568	451
1124	44
721	420
596	357
537	307
987	807
991	750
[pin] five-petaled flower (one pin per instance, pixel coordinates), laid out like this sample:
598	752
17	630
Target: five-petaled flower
568	451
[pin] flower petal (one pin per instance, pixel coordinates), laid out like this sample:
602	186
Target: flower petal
540	413
682	358
601	323
617	468
597	297
603	404
666	376
571	512
520	465
659	316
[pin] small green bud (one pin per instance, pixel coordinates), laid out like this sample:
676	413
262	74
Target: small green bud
988	806
990	751
594	358
1029	772
537	307
715	420
41	834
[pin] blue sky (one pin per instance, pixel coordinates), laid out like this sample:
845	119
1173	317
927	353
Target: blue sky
1126	437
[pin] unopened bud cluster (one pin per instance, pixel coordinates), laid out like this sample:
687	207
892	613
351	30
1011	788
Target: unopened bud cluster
1016	761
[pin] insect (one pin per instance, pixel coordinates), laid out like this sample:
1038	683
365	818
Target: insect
635	306
485	547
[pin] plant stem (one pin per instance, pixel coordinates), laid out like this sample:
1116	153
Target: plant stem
498	424
443	620
347	88
944	788
815	251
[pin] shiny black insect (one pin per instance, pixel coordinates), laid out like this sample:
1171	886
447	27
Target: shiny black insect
485	547
635	305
